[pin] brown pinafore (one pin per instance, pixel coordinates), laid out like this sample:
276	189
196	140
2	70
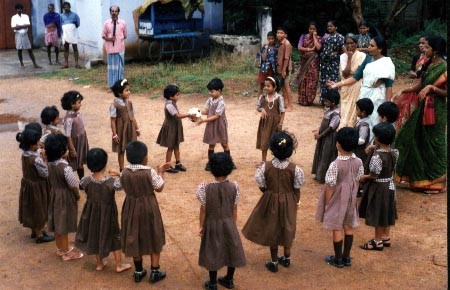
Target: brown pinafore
274	219
63	210
124	126
171	133
268	126
221	245
98	230
79	139
34	197
142	226
216	132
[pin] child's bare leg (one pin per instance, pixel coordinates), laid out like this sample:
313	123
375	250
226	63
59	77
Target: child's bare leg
121	159
287	94
264	155
38	232
169	155
386	232
287	252
119	266
225	147
58	241
64	242
100	263
155	259
379	231
176	151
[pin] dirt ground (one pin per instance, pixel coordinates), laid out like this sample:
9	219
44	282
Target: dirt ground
416	259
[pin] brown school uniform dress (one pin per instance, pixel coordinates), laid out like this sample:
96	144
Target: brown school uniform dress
221	245
63	210
34	197
360	149
171	133
216	132
98	230
326	150
79	139
273	220
142	227
124	126
268	126
342	208
378	202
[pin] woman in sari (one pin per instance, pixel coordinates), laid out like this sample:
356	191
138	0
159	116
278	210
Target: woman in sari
308	76
332	47
422	141
407	102
377	73
350	61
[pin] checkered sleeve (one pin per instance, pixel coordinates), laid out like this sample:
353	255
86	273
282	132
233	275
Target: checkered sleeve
238	193
157	180
41	167
334	122
117	184
68	126
360	171
259	176
171	109
299	178
201	193
70	177
375	165
332	174
220	108
112	111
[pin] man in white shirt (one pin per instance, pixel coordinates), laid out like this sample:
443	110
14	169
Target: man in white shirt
20	23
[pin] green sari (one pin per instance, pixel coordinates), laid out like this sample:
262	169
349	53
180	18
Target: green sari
423	148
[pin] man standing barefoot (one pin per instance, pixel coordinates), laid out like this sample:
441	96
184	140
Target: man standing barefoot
70	23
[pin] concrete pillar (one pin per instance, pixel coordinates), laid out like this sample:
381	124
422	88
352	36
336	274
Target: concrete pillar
264	22
213	18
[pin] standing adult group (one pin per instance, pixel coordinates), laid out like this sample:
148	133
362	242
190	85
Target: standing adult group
64	27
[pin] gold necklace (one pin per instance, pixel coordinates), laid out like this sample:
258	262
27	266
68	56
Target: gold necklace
268	102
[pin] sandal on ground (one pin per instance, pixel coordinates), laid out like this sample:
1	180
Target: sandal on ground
72	256
386	242
373	245
60	253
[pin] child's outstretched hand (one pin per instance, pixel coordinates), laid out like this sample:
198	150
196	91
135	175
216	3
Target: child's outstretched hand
200	231
199	122
116	138
162	168
113	173
370	148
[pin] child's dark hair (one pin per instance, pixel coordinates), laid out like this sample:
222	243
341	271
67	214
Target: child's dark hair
55	146
365	105
70	98
215	84
34	126
275	82
282	29
348	138
332	21
384	132
49	114
270	33
221	164
332	96
388	110
136	152
364	23
28	138
119	87
96	159
283	144
170	91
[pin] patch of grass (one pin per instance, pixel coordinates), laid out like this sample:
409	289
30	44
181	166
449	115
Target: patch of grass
192	77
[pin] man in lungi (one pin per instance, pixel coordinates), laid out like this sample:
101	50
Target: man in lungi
20	23
70	23
53	29
114	34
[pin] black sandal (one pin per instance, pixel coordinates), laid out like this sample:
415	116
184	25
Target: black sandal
386	242
373	245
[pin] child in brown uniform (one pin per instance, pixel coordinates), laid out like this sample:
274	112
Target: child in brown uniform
337	203
171	133
123	122
364	108
271	106
98	230
34	195
221	245
378	202
142	227
326	136
50	118
273	220
216	128
75	132
63	210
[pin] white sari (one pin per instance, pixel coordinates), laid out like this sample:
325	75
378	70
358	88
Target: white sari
382	68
